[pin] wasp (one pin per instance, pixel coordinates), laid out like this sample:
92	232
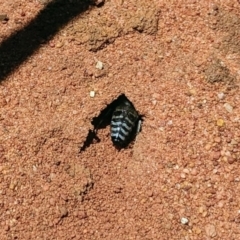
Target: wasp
124	120
125	124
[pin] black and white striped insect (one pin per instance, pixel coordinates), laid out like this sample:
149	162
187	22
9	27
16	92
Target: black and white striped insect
124	120
125	123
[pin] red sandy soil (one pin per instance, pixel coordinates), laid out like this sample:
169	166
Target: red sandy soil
178	62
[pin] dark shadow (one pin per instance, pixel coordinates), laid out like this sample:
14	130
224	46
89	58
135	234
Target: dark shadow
90	139
23	43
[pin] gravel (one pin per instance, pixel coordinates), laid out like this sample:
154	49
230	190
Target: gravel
178	62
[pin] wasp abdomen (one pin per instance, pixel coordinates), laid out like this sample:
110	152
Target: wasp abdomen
123	124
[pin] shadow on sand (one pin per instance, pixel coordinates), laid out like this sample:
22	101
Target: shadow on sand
23	43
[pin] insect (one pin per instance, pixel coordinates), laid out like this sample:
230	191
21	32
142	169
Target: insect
124	120
125	124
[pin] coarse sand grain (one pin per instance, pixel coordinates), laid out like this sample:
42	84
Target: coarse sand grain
177	62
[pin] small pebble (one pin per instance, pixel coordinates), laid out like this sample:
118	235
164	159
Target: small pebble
59	44
217	139
208	147
13	185
52	201
75	112
45	187
34	168
210	230
52	44
205	214
198	230
234	142
215	155
154	102
99	65
183	175
228	154
194	172
228	107
221	95
184	221
220	122
63	212
230	160
92	94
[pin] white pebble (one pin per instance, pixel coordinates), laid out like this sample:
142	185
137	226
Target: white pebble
210	230
99	65
92	94
183	175
154	102
228	107
176	167
161	129
221	95
184	221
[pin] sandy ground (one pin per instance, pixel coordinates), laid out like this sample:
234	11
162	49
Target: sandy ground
178	62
